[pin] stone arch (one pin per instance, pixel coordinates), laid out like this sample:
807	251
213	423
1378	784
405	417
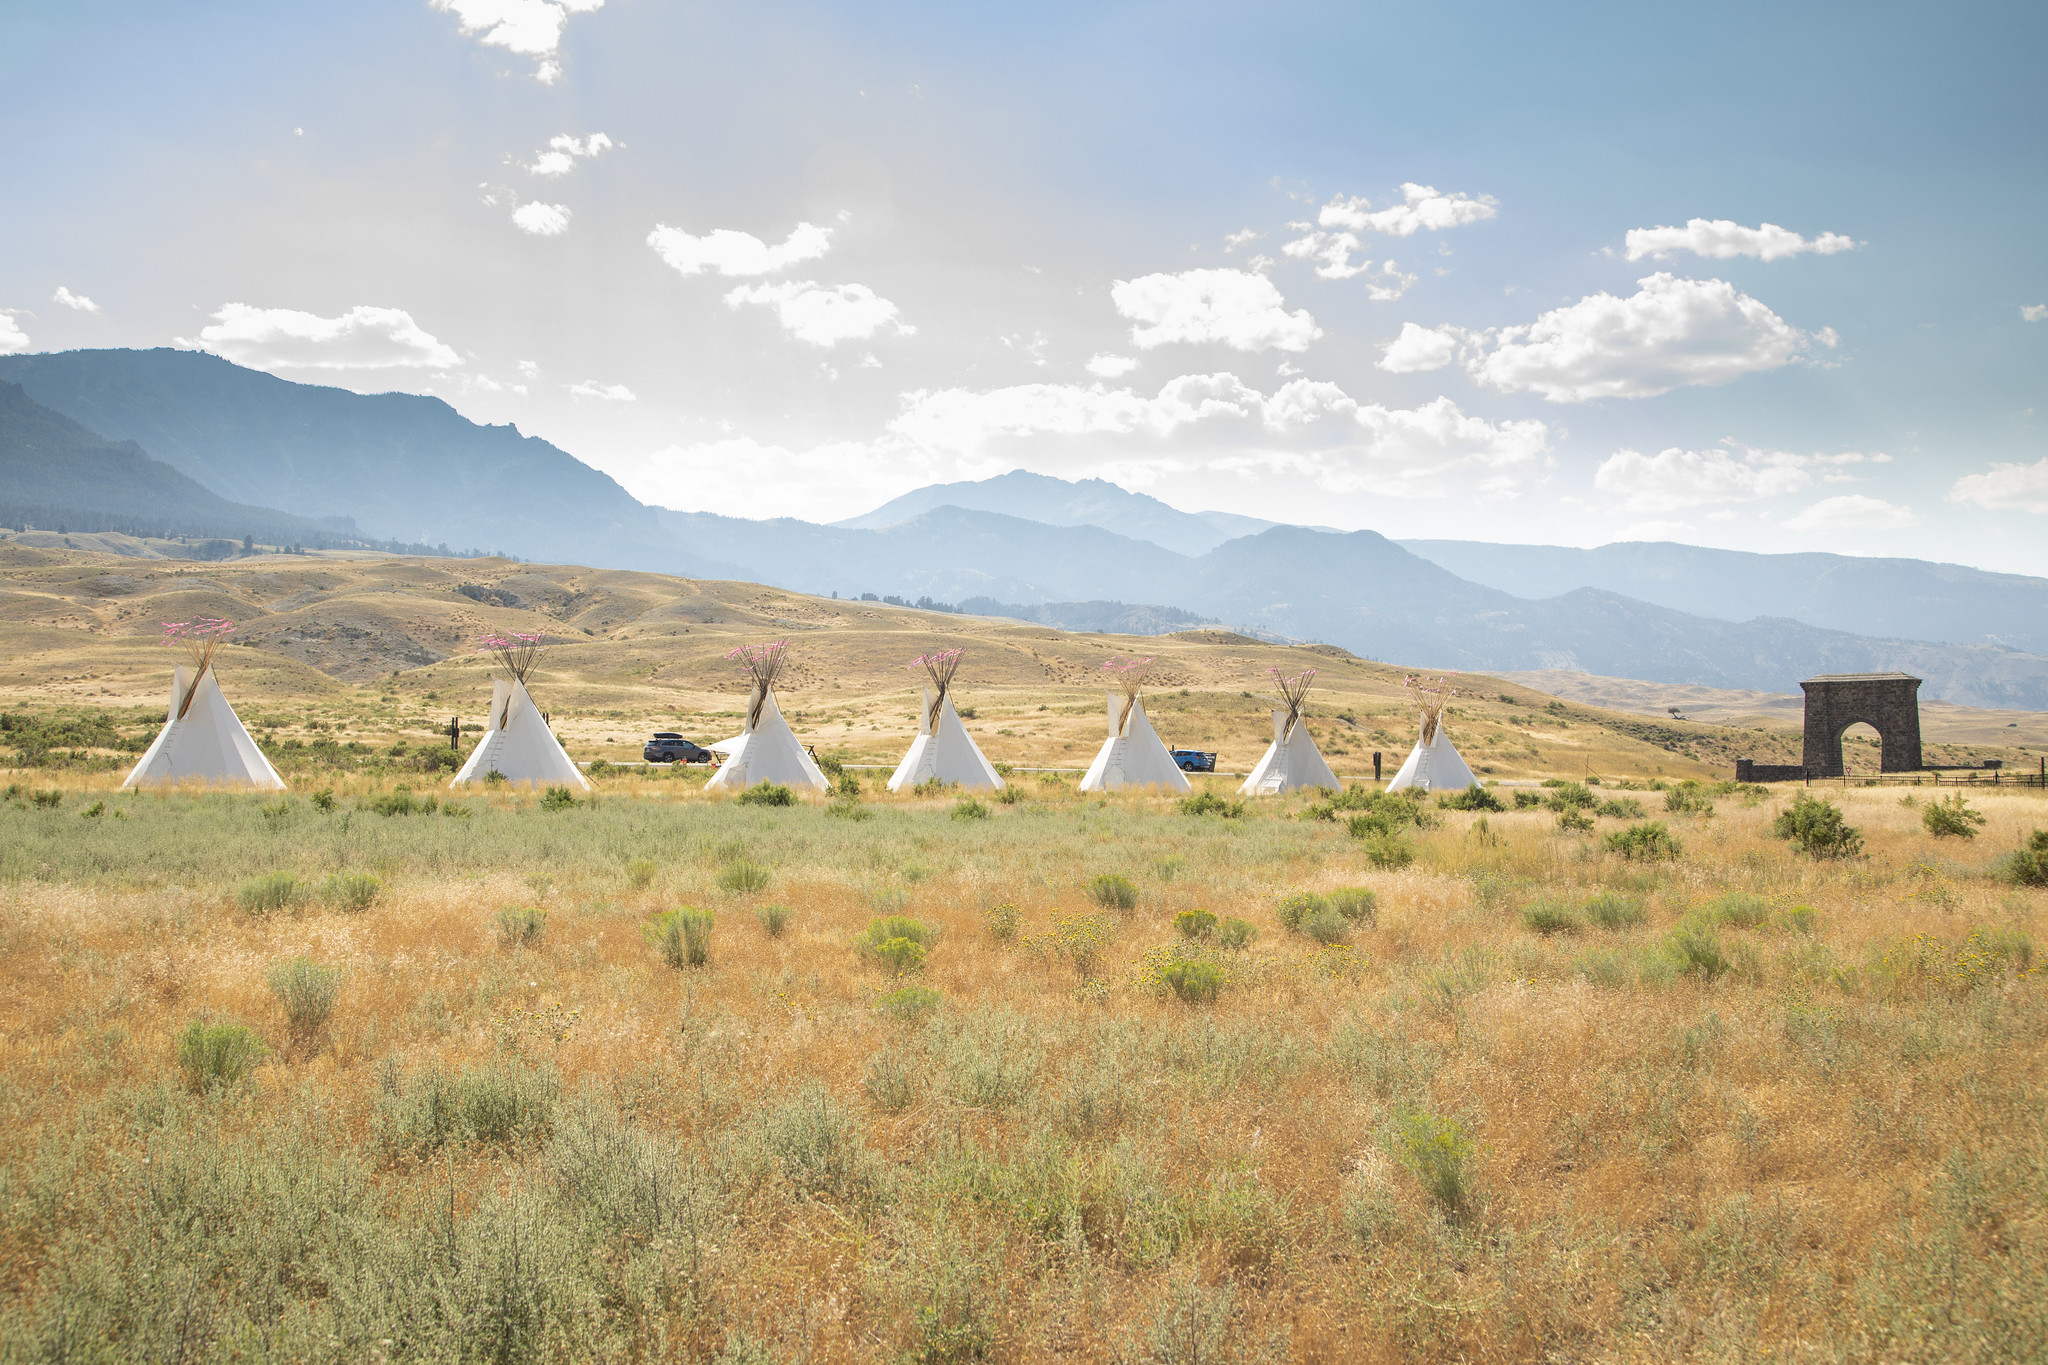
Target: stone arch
1888	703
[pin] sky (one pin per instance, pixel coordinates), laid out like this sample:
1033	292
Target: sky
1761	277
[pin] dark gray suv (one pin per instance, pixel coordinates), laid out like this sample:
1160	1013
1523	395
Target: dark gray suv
667	747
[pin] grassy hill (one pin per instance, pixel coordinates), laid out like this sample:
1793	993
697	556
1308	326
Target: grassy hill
383	646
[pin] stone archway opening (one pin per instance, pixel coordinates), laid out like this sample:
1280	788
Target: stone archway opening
1862	750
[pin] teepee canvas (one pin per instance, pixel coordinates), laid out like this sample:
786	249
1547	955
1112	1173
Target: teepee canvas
1434	764
1132	755
203	740
943	750
766	749
517	743
1292	760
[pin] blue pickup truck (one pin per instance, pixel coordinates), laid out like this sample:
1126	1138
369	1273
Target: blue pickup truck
1194	761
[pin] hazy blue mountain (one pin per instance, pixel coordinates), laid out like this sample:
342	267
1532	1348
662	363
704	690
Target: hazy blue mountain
405	467
1078	552
1060	502
949	553
57	475
1904	598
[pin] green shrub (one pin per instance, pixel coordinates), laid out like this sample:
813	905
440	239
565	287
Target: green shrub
1326	927
401	801
1572	820
1356	904
1438	1153
214	1056
1194	924
1011	794
1236	933
351	892
899	955
909	1003
833	766
323	801
1696	948
897	943
1001	921
846	784
1737	908
1622	808
1112	892
94	811
774	919
1566	796
1206	802
47	800
521	926
1817	827
1647	842
1951	819
744	878
557	798
1193	981
1298	908
2029	866
640	873
1687	798
501	1104
306	990
268	894
1527	800
767	794
1382	849
1547	916
1612	911
682	936
847	807
890	1080
1474	797
967	808
1799	919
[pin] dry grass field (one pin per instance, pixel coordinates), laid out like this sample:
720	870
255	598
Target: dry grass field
353	1076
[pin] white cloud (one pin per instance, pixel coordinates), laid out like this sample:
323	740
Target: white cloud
1676	478
363	338
1419	349
2012	487
1671	332
1239	308
563	150
610	393
1722	240
530	28
1424	208
2034	312
824	315
1107	366
1217	422
1335	235
1232	241
542	220
726	252
744	477
12	338
1852	512
77	302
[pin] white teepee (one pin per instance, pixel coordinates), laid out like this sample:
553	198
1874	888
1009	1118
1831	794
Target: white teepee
1292	760
518	746
766	749
1132	756
943	750
203	740
1433	767
1433	764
